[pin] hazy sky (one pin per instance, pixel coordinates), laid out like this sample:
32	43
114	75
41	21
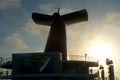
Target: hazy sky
18	33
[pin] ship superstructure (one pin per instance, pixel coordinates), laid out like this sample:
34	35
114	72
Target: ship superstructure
53	63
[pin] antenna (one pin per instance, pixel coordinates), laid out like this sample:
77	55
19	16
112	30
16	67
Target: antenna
58	10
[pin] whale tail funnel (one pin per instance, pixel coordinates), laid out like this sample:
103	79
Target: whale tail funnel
57	36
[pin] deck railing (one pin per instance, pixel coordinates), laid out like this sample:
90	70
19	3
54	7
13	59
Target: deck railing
82	58
69	57
6	60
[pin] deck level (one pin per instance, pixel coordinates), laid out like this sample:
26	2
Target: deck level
44	66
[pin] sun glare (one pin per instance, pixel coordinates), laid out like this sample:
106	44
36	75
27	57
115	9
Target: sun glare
101	50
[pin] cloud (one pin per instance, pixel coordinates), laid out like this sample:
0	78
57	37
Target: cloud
31	28
46	7
78	37
111	16
15	41
34	29
65	10
5	4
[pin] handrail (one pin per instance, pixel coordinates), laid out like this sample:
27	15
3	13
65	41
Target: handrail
6	60
82	58
70	57
5	72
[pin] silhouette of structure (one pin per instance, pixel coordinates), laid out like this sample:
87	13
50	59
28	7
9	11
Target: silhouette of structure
57	37
53	63
110	69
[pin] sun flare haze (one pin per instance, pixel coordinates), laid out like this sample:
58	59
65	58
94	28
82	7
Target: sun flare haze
99	37
101	50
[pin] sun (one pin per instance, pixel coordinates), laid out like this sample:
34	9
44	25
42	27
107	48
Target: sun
101	50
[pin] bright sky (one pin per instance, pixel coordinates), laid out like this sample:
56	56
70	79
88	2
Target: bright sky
18	33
